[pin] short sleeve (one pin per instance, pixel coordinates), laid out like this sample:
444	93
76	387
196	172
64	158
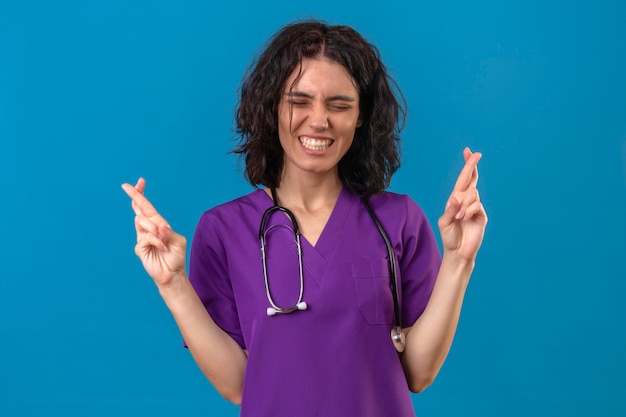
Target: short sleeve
419	263
209	276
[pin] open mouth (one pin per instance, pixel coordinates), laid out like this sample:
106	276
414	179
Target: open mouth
315	144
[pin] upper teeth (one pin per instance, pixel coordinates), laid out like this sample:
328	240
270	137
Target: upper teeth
315	144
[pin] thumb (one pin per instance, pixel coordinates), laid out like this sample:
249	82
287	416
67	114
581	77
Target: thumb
170	236
448	216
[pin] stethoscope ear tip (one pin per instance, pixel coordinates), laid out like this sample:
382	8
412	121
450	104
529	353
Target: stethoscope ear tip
302	305
271	311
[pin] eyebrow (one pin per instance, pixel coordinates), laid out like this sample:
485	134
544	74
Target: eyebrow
309	96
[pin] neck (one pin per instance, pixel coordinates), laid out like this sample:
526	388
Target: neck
308	193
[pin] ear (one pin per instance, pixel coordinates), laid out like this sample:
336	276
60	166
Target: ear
359	122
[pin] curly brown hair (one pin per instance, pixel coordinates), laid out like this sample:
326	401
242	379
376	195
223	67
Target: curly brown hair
374	156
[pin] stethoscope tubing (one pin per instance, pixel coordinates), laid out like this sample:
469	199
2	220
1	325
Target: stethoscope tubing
396	332
296	231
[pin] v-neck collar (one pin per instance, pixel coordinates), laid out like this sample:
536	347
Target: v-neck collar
335	220
315	257
332	229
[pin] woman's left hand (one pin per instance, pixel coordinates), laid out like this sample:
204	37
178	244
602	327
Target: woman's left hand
462	225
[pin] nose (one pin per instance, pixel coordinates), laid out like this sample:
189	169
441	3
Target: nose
318	117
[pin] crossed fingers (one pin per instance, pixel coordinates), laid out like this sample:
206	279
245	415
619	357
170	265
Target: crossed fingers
469	174
465	191
149	224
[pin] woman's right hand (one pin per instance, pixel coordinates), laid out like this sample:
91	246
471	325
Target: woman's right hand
161	250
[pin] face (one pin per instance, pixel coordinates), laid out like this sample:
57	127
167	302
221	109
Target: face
324	115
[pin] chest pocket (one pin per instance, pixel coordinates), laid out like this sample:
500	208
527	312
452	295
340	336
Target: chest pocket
373	290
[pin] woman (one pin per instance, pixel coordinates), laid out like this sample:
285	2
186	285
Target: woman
319	125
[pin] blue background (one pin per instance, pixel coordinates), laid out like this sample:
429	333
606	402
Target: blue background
96	93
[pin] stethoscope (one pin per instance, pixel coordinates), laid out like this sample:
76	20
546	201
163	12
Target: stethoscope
397	337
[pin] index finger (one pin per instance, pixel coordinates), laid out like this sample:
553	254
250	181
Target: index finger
464	179
141	202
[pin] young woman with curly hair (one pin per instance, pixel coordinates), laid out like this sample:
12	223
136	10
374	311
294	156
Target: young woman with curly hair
350	305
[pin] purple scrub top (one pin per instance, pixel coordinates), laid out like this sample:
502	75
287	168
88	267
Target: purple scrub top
336	358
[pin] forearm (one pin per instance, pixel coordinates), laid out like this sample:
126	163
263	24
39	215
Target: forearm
219	357
428	341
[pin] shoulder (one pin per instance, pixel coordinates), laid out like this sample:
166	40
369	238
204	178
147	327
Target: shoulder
252	202
395	206
235	215
403	219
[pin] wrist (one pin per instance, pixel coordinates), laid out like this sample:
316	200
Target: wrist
174	287
453	262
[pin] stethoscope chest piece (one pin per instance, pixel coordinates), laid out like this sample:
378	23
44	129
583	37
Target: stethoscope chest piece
398	339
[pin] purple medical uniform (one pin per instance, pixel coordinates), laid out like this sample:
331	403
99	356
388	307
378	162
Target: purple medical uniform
336	358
